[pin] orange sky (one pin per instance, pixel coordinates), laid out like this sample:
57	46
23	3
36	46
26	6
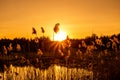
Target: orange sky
78	18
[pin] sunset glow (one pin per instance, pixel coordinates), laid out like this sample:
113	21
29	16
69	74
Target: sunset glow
60	39
80	17
60	36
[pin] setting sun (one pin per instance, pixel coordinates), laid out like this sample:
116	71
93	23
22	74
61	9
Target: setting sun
60	36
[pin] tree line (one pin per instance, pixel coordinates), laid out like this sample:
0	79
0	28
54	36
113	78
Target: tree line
25	45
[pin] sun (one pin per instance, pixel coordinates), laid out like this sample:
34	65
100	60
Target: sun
60	36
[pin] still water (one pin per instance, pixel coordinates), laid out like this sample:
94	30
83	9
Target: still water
54	72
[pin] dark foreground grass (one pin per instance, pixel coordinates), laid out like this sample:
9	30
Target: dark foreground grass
104	66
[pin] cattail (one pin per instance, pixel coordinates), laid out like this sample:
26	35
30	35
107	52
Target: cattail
5	50
99	42
111	40
79	53
23	59
18	47
84	44
114	46
39	52
43	31
60	52
36	60
93	43
66	44
56	28
10	48
89	50
115	40
68	54
34	31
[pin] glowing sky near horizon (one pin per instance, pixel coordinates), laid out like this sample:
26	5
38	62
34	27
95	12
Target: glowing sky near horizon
77	18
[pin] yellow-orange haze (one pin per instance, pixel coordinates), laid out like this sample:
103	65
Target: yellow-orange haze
78	18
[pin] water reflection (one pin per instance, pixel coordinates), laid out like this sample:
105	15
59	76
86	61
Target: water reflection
54	72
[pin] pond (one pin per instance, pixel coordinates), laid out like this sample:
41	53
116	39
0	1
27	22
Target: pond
54	72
